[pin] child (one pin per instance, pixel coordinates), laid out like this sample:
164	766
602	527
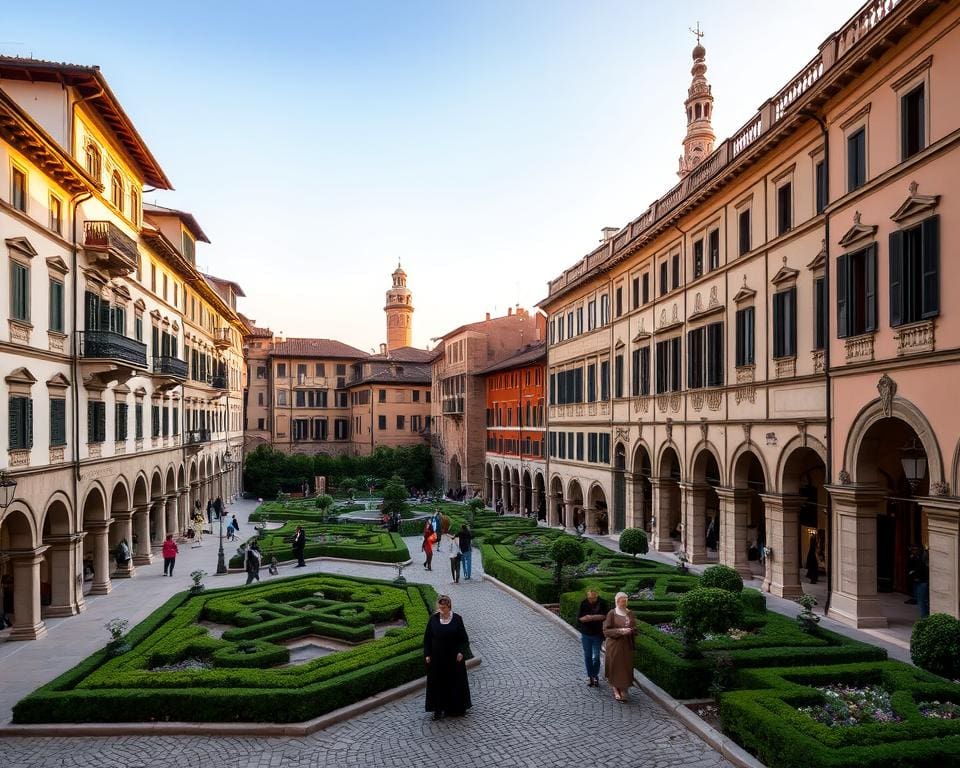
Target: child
230	532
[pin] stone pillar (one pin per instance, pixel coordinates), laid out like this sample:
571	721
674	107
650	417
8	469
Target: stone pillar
693	503
523	499
853	555
142	554
553	518
27	624
170	505
782	513
734	515
63	558
121	530
630	517
183	508
158	522
661	513
99	531
590	519
535	502
568	516
943	531
194	498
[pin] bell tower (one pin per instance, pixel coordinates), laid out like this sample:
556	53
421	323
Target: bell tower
399	310
698	143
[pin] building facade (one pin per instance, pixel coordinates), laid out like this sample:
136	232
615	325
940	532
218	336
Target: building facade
756	362
93	356
515	465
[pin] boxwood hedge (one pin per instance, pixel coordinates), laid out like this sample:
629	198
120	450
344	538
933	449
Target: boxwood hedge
355	542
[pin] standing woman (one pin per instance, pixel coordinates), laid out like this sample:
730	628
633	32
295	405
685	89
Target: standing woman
454	559
169	555
428	538
619	629
445	648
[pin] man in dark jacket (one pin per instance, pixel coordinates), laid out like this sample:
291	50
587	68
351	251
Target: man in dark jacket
299	544
466	553
592	612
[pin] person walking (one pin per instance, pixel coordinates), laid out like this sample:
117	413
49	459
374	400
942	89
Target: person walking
619	628
918	569
465	539
233	520
210	510
170	551
299	544
427	546
218	508
445	649
251	561
230	532
813	562
454	559
437	523
592	613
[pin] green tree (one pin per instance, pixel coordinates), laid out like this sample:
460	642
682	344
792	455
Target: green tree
395	497
473	507
565	550
633	541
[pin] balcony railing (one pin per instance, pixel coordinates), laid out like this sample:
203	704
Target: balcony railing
108	247
196	436
221	338
170	366
453	405
108	345
219	382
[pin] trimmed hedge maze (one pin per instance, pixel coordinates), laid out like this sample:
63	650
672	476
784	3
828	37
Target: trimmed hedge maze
368	635
355	542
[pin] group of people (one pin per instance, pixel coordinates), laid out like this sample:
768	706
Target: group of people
613	630
459	548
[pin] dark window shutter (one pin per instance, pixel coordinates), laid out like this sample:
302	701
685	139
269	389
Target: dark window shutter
930	267
691	363
870	261
677	362
843	280
91	311
778	325
28	423
740	337
91	430
896	278
790	322
14	420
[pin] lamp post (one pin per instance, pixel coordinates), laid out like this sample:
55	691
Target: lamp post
8	489
227	466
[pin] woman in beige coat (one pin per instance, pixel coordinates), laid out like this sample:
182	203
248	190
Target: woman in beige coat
619	629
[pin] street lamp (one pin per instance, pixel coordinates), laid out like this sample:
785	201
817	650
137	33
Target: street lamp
8	489
227	466
914	462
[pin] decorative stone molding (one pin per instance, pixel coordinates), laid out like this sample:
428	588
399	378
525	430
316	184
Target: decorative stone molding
669	426
641	405
592	409
623	433
940	488
604	409
19	331
857	232
155	441
915	204
859	349
785	276
771	439
748	393
696	401
714	399
57	342
887	388
704	428
579	410
747	427
746	373
94	450
915	338
844	477
57	454
786	367
802	429
675	402
18	458
662	402
138	445
819	361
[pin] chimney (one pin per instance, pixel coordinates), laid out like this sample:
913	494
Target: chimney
607	233
488	316
509	311
383	349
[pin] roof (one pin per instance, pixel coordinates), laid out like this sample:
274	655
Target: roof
253	329
403	355
222	281
315	348
405	374
92	87
532	353
187	218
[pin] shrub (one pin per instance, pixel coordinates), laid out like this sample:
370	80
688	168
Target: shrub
935	645
565	551
324	502
807	620
633	541
706	609
722	577
474	506
395	497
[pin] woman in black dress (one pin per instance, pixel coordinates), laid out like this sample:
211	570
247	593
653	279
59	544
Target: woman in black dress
445	648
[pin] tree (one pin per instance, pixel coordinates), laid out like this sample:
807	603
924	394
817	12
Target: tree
324	502
703	610
395	497
565	550
633	541
473	507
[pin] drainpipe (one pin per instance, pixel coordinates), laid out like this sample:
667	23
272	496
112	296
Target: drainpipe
74	345
828	400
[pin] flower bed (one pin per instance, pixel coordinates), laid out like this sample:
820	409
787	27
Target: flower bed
240	676
846	705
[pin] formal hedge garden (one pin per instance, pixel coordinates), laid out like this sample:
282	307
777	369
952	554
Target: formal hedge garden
354	542
222	655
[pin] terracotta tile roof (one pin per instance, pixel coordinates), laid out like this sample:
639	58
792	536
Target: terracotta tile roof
188	219
407	374
533	353
404	355
253	329
316	348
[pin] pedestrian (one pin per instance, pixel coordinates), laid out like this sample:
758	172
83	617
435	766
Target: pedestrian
454	559
465	540
218	507
273	570
619	629
437	522
251	561
592	613
445	649
427	546
170	551
813	562
918	569
210	511
198	527
233	520
230	536
299	544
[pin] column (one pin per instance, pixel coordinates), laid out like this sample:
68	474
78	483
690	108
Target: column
552	517
943	531
693	502
142	554
27	624
99	531
170	505
63	557
535	502
630	517
853	555
568	517
158	522
734	515
183	508
523	499
782	513
123	530
661	513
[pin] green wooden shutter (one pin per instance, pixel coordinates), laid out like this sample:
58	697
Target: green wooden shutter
896	278
930	267
870	263
14	420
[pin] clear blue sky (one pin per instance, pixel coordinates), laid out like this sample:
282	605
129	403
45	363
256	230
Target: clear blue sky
484	144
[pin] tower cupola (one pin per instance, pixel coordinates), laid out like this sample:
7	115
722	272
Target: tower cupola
698	143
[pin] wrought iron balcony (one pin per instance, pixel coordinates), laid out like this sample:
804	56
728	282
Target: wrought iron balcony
221	338
109	248
196	436
173	367
108	345
219	382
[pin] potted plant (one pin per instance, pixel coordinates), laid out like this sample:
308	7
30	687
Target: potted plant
197	577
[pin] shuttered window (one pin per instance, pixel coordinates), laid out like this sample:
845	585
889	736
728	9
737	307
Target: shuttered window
120	422
857	292
96	421
785	323
56	306
19	291
745	332
20	422
58	421
915	273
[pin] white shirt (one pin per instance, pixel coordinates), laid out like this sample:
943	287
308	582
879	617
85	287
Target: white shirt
454	548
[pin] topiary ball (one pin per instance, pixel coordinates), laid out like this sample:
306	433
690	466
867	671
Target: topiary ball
935	645
722	577
566	550
708	609
633	541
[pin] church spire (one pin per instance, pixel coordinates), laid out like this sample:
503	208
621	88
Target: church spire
698	143
399	311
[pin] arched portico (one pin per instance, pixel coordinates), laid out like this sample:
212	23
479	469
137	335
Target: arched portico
21	570
641	510
573	514
597	515
557	507
539	496
666	500
96	544
59	595
702	527
619	517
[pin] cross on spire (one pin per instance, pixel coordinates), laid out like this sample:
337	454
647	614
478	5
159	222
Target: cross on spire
697	32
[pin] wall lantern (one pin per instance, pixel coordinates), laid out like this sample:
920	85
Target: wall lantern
914	462
8	489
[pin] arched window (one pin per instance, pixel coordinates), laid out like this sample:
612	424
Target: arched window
93	161
706	110
689	114
116	191
698	113
134	206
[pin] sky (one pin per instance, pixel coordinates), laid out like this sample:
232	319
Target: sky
483	145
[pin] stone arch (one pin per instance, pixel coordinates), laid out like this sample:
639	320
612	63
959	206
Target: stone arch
488	484
514	505
18	540
171	523
526	495
58	515
497	483
540	494
575	502
698	460
455	479
141	493
555	514
58	584
94	507
702	524
641	468
18	527
785	482
617	516
739	466
95	517
156	484
669	452
597	515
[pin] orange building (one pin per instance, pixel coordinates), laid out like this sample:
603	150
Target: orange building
515	466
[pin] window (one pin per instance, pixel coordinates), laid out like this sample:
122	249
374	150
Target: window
592	383
857	292
401	422
668	365
56	214
164	286
819	313
281	397
20	422
676	270
116	191
618	299
120	422
635	293
714	248
19	291
604	309
340	400
261	372
138	420
579	446
645	292
579	320
93	161
641	371
300	398
913	137
618	376
96	421
320	370
743	222
18	189
915	272
591	446
341	369
745	332
281	370
138	327
165	421
785	323
698	258
605	380
320	431
56	306
820	185
134	206
604	448
570	324
188	247
591	315
58	421
713	355
856	159
341	429
664	277
301	429
261	424
695	358
784	207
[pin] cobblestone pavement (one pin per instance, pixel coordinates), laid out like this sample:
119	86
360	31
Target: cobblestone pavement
531	708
